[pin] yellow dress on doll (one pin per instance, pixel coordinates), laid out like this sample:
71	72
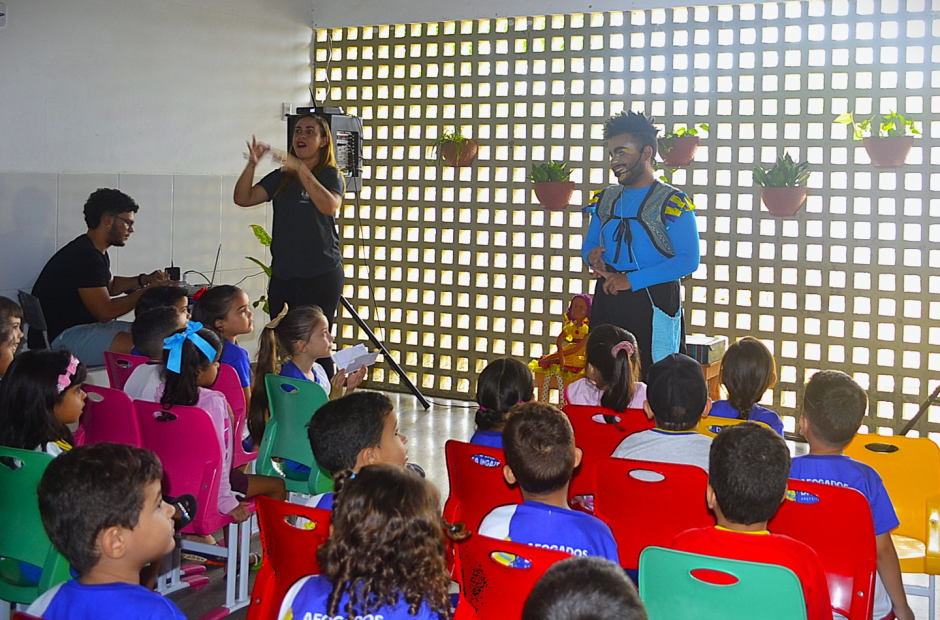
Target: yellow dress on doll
569	359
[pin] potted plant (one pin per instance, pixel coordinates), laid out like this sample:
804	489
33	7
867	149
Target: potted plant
889	146
264	239
677	148
454	149
783	187
551	185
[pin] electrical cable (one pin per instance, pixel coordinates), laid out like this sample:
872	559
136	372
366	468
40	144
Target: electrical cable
204	277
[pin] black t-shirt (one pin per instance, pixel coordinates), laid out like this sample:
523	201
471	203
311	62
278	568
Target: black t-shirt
77	265
304	242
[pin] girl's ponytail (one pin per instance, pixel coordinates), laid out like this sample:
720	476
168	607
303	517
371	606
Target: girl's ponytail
747	371
267	364
614	354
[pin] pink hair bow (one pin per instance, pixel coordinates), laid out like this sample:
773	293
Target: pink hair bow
65	379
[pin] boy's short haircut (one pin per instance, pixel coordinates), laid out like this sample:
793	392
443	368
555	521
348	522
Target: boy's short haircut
584	588
89	489
677	392
344	427
539	444
834	406
159	297
151	328
9	310
748	468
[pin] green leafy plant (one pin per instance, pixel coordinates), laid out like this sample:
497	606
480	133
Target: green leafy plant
447	137
890	125
264	239
785	173
665	172
669	139
549	172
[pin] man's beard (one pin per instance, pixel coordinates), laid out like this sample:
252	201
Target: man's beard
115	237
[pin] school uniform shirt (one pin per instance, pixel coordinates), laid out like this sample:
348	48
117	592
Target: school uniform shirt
550	527
585	392
144	382
237	358
769	549
323	500
291	370
843	471
723	409
306	600
492	439
662	446
72	600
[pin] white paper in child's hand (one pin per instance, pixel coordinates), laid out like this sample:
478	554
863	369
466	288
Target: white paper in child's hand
354	357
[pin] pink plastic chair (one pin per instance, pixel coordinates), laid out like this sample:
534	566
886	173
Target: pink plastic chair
120	366
228	383
108	416
185	439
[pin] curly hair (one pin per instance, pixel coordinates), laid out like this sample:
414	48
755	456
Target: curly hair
107	201
636	124
388	543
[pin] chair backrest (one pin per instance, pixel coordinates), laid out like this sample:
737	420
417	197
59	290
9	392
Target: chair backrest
229	384
32	313
120	366
676	585
108	416
598	438
22	536
292	403
910	469
498	575
836	522
477	486
647	504
289	551
188	445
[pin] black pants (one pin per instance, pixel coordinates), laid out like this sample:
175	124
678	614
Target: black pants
323	291
632	311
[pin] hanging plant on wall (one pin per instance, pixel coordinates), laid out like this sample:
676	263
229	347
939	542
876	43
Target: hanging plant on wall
677	148
454	149
889	146
783	187
551	185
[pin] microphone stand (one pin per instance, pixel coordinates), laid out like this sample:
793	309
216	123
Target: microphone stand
923	409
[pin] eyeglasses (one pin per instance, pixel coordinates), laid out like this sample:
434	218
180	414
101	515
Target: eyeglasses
130	223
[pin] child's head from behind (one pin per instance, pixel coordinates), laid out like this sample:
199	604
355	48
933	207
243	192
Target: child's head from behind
41	393
164	297
11	332
540	451
584	588
748	468
676	393
502	385
190	356
612	362
225	309
833	408
357	430
387	539
103	503
151	328
747	370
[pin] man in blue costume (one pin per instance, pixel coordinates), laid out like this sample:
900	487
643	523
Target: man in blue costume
641	241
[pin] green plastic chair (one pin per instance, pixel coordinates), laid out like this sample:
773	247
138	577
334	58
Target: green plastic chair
292	403
671	591
22	536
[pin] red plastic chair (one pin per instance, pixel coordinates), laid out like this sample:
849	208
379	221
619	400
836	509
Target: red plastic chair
108	416
289	552
120	366
185	439
649	512
492	587
599	440
839	528
228	383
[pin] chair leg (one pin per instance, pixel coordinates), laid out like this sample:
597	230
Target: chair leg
931	597
5	612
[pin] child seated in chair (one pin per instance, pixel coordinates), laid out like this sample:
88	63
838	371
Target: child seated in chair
354	431
676	398
102	509
747	481
541	457
833	408
149	331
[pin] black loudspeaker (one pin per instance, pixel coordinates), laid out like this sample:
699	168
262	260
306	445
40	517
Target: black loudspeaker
347	141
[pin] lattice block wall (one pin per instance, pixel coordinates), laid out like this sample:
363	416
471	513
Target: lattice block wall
458	266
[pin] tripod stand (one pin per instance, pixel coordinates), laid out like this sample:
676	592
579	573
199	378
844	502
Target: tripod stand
378	343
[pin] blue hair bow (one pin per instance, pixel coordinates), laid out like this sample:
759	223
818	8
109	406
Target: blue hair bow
174	344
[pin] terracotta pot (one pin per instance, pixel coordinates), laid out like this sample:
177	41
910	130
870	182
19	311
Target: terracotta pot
554	195
468	152
681	153
888	152
783	201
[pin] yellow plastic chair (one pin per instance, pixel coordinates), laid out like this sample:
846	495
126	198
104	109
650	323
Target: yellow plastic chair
910	469
712	425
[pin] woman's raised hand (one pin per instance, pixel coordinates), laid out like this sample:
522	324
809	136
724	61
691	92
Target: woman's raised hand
256	150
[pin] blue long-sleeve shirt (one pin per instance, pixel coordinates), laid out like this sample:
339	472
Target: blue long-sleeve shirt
648	266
